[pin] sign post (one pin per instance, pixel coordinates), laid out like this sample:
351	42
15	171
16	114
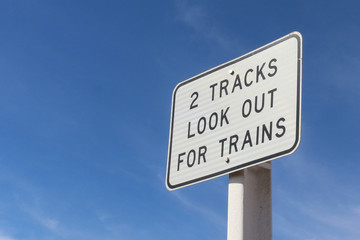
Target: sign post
234	119
250	204
236	206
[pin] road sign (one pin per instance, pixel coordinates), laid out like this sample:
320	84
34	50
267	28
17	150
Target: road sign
241	113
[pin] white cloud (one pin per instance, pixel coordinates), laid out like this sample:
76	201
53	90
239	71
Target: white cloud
2	237
196	17
314	202
311	214
192	15
47	222
5	237
207	213
357	210
316	220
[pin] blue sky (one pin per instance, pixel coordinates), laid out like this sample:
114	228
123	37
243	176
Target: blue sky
85	101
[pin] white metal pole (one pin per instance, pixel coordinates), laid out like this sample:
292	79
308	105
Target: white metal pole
250	204
235	229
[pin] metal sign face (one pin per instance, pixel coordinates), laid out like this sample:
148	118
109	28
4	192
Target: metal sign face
244	112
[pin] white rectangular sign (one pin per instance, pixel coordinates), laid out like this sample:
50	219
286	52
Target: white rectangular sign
244	112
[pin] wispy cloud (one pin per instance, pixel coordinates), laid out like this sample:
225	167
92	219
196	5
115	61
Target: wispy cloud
207	213
45	221
356	210
197	18
322	221
32	206
333	216
5	236
194	16
2	237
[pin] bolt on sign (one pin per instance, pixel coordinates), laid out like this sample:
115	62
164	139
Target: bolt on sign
239	114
